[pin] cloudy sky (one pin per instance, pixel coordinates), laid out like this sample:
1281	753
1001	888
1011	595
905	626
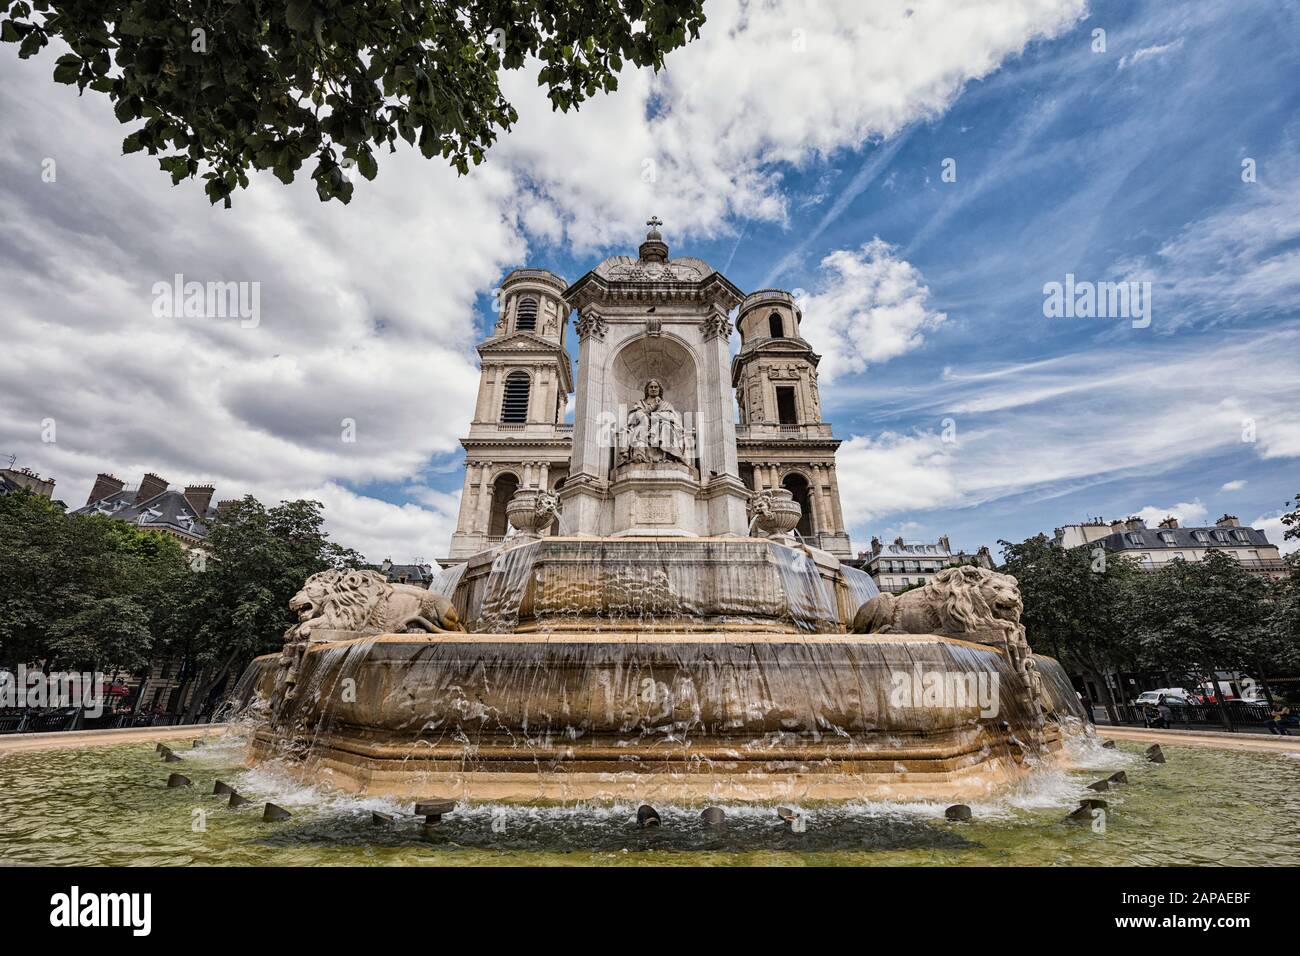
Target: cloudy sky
798	144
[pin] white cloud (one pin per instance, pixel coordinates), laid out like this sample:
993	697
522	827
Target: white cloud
870	307
1274	530
1241	260
766	85
1235	485
368	310
1155	51
1055	426
895	473
1188	513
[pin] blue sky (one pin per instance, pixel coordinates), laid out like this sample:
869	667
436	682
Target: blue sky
1068	160
814	169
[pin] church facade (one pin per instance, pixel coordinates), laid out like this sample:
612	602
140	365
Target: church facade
670	434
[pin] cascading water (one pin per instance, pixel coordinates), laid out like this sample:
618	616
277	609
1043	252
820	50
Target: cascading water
697	668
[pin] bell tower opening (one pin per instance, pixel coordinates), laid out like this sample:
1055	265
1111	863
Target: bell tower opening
503	489
787	410
797	485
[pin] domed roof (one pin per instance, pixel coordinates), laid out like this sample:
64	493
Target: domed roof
652	263
627	269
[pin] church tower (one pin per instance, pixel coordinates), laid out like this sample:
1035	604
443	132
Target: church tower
781	440
518	438
651	329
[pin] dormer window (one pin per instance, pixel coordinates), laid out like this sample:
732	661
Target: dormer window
1167	537
1134	538
1200	536
1241	536
526	314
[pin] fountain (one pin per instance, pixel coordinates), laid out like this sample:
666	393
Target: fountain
679	640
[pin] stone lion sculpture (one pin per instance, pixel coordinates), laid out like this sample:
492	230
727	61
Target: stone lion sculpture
967	601
364	601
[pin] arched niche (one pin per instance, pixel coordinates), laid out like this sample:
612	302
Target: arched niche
660	357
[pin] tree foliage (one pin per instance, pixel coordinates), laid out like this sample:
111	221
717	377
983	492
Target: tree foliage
91	593
1102	614
1075	605
224	86
84	593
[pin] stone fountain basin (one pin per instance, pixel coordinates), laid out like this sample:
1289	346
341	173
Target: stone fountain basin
659	584
674	716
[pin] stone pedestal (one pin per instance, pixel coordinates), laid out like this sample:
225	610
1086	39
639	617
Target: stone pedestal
655	498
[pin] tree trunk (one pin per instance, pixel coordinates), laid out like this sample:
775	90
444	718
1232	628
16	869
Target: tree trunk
201	693
1108	700
1218	699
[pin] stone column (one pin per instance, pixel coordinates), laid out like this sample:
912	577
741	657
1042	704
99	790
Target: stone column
835	501
817	501
584	491
544	477
467	499
538	396
487	388
484	499
498	394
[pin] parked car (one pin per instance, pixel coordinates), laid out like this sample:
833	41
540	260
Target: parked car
1174	697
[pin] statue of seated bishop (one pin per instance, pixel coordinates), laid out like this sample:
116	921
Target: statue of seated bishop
654	429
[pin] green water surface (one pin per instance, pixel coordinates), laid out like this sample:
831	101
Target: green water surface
110	806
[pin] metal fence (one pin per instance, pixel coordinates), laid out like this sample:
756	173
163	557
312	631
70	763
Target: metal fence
46	721
39	721
1247	715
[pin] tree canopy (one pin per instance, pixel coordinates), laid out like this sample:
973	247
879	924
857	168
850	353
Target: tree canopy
1075	605
224	86
1100	613
91	593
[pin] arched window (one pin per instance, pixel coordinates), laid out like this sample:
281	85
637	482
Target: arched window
797	485
775	326
503	489
526	314
514	406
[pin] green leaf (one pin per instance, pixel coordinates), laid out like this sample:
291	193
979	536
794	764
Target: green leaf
298	15
367	165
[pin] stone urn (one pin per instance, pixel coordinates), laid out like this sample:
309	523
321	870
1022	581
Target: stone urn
530	512
774	513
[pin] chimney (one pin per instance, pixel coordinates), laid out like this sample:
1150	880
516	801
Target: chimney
1228	521
1116	526
944	545
199	496
875	545
386	565
105	485
1169	523
150	487
1135	524
223	507
899	541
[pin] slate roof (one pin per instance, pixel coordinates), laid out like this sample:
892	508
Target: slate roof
166	511
1151	539
415	573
